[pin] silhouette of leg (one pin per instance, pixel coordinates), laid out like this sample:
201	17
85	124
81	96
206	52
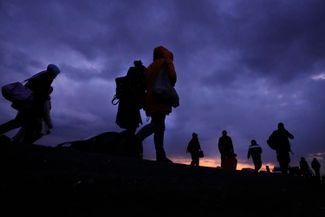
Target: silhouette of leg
284	160
222	162
29	132
197	162
145	131
159	132
156	127
193	159
10	125
318	174
257	164
19	137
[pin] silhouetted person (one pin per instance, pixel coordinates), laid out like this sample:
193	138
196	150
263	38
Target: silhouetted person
316	167
194	148
280	139
226	149
304	168
130	103
155	108
255	151
35	121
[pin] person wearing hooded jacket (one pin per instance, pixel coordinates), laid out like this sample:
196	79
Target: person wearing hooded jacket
154	108
35	121
255	152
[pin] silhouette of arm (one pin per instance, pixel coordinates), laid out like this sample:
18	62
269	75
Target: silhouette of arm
231	145
290	136
189	146
220	146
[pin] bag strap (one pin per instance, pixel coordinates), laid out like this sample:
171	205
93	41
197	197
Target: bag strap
115	100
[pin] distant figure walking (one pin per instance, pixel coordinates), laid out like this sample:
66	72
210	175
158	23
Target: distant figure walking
279	141
194	149
316	167
304	168
255	151
33	116
154	107
226	149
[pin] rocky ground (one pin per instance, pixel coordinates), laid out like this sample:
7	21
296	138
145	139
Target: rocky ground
38	180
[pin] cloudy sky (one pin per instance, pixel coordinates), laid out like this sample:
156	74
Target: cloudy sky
242	66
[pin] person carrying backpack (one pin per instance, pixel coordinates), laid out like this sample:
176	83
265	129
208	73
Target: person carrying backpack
279	141
154	107
33	116
130	96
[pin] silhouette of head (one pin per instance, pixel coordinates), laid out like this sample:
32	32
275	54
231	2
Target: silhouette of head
53	69
162	52
224	133
280	125
137	63
253	142
194	135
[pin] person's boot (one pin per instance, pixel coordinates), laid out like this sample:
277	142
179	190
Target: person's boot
161	157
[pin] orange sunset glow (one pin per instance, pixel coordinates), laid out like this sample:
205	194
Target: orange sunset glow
212	162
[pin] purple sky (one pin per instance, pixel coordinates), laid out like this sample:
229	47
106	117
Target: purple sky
242	66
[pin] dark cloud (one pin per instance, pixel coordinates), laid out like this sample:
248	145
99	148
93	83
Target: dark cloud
242	66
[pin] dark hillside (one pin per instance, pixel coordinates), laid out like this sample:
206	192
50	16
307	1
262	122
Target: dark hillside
38	180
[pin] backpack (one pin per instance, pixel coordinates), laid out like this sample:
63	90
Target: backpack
130	96
201	154
272	141
40	84
36	89
131	87
164	90
20	95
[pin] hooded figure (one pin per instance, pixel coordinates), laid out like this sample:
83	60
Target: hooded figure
155	109
161	55
255	152
35	121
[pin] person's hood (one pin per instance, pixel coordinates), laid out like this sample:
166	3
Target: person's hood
52	71
162	53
